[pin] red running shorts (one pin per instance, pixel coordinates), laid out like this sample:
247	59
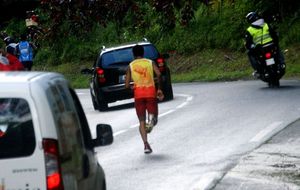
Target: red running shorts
145	104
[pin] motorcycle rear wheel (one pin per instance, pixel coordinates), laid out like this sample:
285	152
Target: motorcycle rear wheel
274	83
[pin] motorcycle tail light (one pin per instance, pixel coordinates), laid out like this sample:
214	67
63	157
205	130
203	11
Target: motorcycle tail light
268	55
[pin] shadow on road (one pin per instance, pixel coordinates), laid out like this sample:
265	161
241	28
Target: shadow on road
283	87
156	157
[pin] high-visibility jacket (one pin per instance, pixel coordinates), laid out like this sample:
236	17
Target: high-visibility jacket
260	35
143	78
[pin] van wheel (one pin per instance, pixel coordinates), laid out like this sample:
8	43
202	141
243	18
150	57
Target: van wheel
104	186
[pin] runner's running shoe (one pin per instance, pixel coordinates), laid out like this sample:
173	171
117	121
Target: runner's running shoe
147	149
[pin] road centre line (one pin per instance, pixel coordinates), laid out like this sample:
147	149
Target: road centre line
188	99
166	113
268	130
182	105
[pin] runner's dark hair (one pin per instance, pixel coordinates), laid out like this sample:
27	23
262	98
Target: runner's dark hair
138	51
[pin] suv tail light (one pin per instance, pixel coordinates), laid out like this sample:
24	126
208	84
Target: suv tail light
100	74
161	64
53	170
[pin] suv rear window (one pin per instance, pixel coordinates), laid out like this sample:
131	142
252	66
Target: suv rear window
17	137
125	56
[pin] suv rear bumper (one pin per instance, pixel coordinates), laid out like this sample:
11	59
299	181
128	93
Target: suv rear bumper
116	92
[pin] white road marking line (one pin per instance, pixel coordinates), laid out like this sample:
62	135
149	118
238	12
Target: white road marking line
188	99
262	134
134	126
182	105
166	113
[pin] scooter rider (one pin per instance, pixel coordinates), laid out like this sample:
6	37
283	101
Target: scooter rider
259	33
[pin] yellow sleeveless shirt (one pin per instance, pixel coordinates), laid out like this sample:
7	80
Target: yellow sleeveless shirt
142	76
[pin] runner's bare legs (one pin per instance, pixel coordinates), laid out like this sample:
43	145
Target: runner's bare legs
143	131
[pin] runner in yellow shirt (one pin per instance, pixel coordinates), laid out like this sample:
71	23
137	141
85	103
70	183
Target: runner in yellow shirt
141	71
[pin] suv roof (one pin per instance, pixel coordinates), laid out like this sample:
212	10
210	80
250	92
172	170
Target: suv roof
127	45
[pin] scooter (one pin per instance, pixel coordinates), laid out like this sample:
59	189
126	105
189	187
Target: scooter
270	68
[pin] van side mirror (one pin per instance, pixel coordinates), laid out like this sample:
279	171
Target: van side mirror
104	135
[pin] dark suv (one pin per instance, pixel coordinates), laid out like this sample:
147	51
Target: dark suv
108	73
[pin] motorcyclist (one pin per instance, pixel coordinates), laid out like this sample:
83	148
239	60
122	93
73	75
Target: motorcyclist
259	33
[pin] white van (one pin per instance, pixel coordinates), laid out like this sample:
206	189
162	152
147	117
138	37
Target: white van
45	140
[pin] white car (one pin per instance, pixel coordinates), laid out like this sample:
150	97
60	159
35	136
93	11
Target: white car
45	140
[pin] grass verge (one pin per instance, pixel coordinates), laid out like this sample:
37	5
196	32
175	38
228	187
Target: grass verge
207	65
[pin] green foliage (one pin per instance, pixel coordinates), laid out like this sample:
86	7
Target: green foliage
289	33
210	65
74	50
220	24
15	28
75	36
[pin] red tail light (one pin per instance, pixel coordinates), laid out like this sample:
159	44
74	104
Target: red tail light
161	64
100	73
53	181
53	170
160	61
268	55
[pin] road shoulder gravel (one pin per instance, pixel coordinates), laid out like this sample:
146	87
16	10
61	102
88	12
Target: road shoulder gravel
275	165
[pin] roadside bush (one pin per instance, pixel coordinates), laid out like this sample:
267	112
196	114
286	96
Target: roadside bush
289	33
212	27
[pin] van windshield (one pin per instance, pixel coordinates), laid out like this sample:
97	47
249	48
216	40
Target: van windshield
124	56
17	137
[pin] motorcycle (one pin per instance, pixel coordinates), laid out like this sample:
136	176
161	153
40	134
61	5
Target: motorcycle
270	66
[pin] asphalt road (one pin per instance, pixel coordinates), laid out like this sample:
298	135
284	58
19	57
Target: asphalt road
200	136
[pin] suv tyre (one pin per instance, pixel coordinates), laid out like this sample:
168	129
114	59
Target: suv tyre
168	90
95	105
103	106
